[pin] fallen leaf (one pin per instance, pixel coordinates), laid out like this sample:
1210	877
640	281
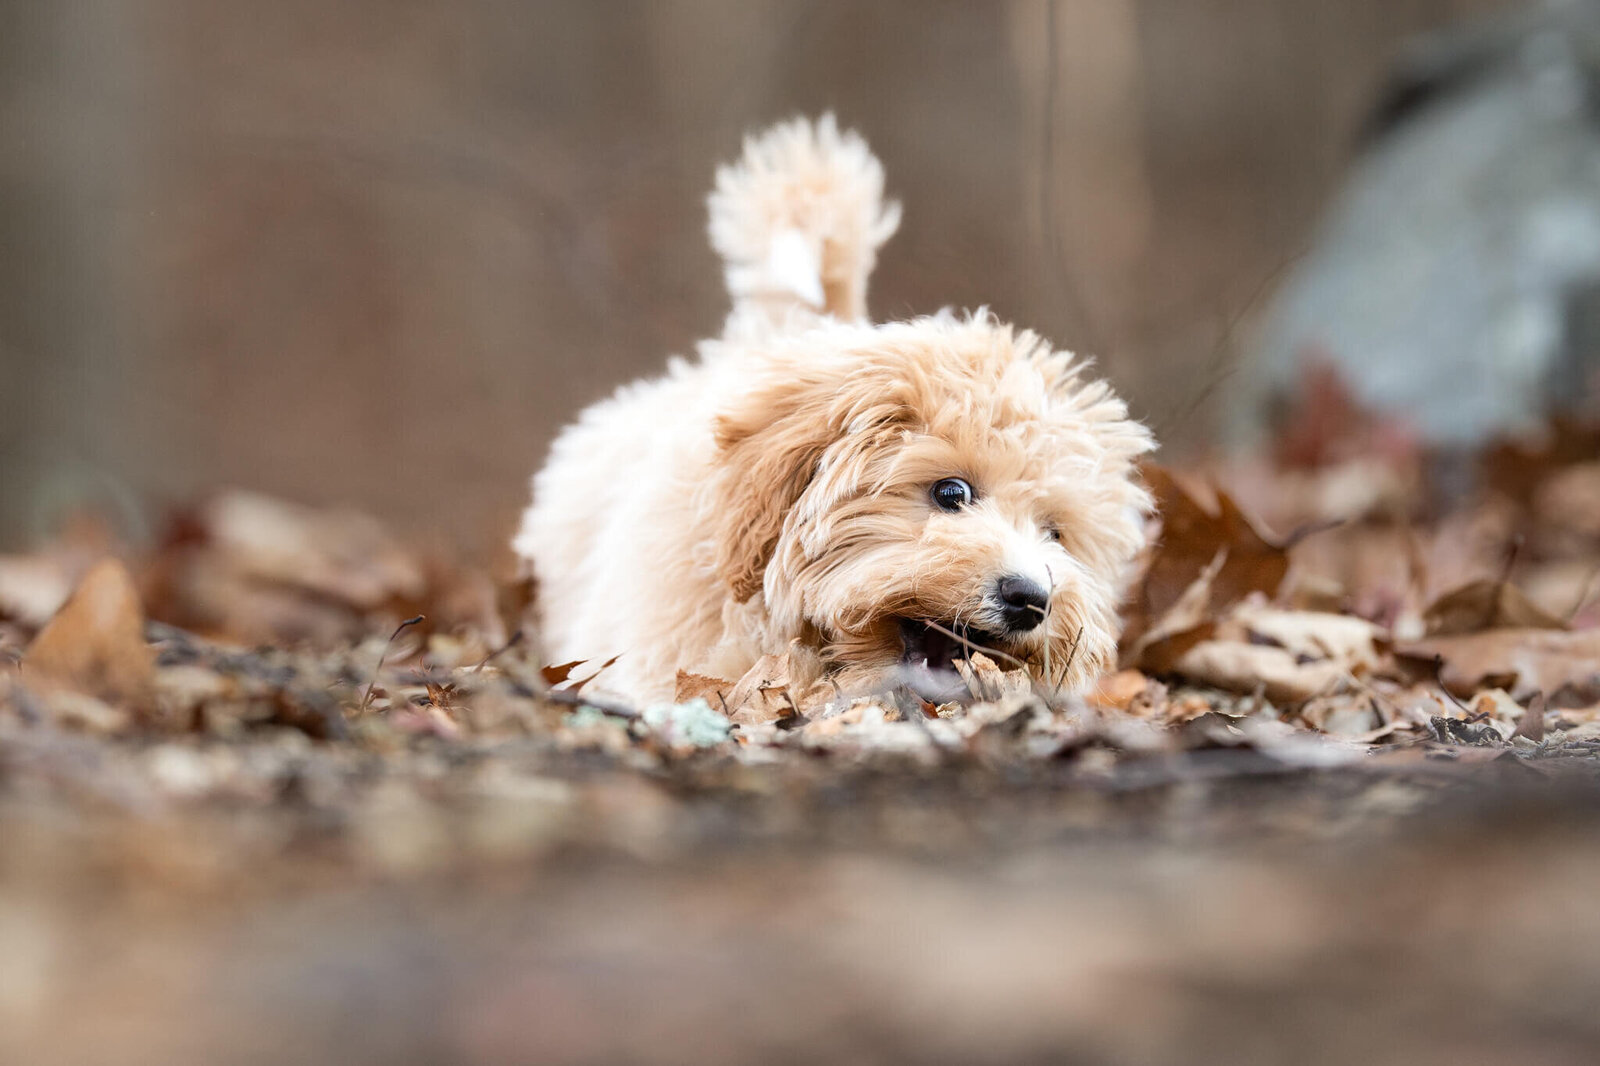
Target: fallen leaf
1116	692
1193	540
95	643
1289	656
1322	421
1185	623
1247	668
556	674
1483	605
1348	714
1563	665
714	690
1531	724
816	699
761	695
983	678
1312	635
1519	468
342	554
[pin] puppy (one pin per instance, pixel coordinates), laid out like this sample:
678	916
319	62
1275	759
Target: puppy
874	499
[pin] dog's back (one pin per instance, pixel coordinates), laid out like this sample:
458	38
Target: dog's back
614	535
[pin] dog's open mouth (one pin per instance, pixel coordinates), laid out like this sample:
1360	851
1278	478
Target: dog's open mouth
937	646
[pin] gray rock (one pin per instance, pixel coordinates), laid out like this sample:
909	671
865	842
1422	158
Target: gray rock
1455	280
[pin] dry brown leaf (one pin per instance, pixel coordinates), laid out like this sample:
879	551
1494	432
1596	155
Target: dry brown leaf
1497	705
762	694
95	643
1116	692
1563	665
1312	635
713	690
1194	541
1185	623
815	699
1291	656
1570	500
1518	468
1484	605
345	555
1246	668
557	673
983	678
1531	723
822	730
561	673
1348	715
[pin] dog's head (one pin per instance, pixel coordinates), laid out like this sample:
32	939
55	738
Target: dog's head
902	493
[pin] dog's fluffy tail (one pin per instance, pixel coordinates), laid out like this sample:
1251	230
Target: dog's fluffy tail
799	218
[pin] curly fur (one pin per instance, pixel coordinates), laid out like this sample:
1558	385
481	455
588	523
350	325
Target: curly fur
774	493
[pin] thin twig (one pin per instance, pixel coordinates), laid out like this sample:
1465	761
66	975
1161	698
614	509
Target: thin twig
1044	616
516	638
402	627
569	698
972	646
1071	657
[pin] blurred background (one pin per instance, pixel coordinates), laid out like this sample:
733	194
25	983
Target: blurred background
376	252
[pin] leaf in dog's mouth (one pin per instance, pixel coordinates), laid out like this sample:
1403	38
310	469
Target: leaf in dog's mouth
932	644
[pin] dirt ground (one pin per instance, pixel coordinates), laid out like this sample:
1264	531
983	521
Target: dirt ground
514	903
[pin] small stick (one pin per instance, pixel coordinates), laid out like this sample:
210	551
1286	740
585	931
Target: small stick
516	638
971	646
569	698
1045	616
1071	658
367	699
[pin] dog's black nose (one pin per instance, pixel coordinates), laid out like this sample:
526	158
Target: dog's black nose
1023	603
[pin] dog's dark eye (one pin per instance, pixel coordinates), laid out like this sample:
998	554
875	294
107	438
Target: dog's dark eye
952	494
1051	533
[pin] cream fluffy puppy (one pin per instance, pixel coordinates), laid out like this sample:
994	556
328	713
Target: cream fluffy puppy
849	492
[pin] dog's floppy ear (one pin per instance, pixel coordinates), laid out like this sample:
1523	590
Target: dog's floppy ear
768	448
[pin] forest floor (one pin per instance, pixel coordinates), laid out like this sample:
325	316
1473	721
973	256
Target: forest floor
285	788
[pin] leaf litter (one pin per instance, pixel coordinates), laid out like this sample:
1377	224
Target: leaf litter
275	698
268	614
